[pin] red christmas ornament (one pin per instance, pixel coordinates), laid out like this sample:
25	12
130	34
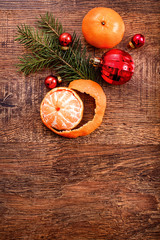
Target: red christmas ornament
117	67
65	39
51	81
137	41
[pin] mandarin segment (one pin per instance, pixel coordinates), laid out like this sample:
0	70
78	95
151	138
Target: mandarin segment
61	109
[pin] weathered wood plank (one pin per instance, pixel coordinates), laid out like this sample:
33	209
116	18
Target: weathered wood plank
84	5
102	186
79	195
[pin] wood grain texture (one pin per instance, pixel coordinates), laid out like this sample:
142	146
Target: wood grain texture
79	195
102	186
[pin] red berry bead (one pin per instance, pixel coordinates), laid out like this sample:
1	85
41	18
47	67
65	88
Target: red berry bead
51	81
137	41
65	39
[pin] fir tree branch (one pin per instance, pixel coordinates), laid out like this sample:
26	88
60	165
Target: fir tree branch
45	51
44	47
33	63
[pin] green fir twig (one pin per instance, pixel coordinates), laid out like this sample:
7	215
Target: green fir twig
44	51
50	25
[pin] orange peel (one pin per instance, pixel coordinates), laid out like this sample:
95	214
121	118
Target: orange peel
94	90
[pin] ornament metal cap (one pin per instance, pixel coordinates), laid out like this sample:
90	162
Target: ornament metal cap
131	44
59	79
64	48
95	61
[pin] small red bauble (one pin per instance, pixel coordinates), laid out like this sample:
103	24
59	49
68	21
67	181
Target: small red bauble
65	39
137	41
117	67
51	81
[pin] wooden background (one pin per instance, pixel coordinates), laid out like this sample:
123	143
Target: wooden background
102	186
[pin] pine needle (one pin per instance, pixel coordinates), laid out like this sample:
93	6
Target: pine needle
50	25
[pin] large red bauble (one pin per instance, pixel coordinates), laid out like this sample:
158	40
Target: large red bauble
117	67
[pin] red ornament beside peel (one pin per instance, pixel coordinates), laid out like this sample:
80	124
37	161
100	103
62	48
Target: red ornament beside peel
51	81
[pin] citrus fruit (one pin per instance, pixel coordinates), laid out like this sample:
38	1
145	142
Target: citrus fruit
61	109
103	27
94	90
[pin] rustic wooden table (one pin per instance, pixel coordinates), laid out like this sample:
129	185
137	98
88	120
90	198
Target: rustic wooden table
102	186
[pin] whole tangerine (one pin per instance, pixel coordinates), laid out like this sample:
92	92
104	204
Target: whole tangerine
103	27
